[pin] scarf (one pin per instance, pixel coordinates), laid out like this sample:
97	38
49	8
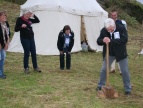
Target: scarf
5	31
26	20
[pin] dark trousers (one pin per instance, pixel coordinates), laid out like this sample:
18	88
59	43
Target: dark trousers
29	47
68	61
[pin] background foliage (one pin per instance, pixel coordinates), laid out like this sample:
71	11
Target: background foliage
20	2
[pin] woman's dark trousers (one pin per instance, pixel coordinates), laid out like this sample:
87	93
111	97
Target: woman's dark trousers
62	61
29	47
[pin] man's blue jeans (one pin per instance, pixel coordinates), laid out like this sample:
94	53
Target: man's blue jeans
2	60
29	47
124	69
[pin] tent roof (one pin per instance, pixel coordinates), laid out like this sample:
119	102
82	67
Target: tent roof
78	7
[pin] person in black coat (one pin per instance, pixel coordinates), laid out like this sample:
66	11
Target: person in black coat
116	36
65	44
24	25
4	41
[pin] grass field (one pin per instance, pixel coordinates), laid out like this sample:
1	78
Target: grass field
54	88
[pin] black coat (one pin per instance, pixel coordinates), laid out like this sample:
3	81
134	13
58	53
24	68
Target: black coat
61	41
28	31
117	47
1	35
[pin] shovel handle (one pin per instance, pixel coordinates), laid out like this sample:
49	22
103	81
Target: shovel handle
107	64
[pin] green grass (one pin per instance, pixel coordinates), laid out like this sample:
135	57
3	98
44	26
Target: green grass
68	89
54	88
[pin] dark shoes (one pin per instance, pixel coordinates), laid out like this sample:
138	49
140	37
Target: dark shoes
121	74
2	76
37	70
98	88
26	70
62	68
66	68
112	71
127	93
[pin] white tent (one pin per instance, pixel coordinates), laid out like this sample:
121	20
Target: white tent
53	15
141	52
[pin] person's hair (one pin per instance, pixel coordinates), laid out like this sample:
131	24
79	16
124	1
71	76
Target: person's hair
2	13
109	22
25	11
114	10
66	27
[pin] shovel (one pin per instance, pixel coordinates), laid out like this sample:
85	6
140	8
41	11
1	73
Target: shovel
107	90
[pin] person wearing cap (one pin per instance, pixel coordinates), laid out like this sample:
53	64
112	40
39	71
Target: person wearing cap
116	36
65	44
114	16
24	25
4	41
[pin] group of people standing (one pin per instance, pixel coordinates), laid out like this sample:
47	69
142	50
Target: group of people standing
24	26
114	33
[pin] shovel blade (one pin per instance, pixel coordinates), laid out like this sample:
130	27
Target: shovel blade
109	91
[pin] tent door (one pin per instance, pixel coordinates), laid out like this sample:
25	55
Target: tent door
83	31
84	40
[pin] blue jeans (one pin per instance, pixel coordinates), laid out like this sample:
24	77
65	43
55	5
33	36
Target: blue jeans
29	47
124	69
2	60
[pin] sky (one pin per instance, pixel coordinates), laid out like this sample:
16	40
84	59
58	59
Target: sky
140	1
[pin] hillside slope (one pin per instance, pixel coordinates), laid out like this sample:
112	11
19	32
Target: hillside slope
129	10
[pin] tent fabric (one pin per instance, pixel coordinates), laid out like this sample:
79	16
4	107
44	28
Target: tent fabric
77	7
141	52
53	15
93	32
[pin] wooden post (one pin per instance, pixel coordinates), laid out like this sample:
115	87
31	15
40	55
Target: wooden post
83	30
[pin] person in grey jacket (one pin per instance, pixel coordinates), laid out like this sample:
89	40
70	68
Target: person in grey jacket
116	36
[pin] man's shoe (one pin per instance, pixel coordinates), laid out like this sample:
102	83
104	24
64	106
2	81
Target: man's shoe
98	88
26	70
112	71
2	77
37	70
127	93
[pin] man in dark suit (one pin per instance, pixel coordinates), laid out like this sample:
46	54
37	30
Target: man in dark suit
116	36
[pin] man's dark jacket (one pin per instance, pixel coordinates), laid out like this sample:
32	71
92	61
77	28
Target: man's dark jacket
61	41
117	47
